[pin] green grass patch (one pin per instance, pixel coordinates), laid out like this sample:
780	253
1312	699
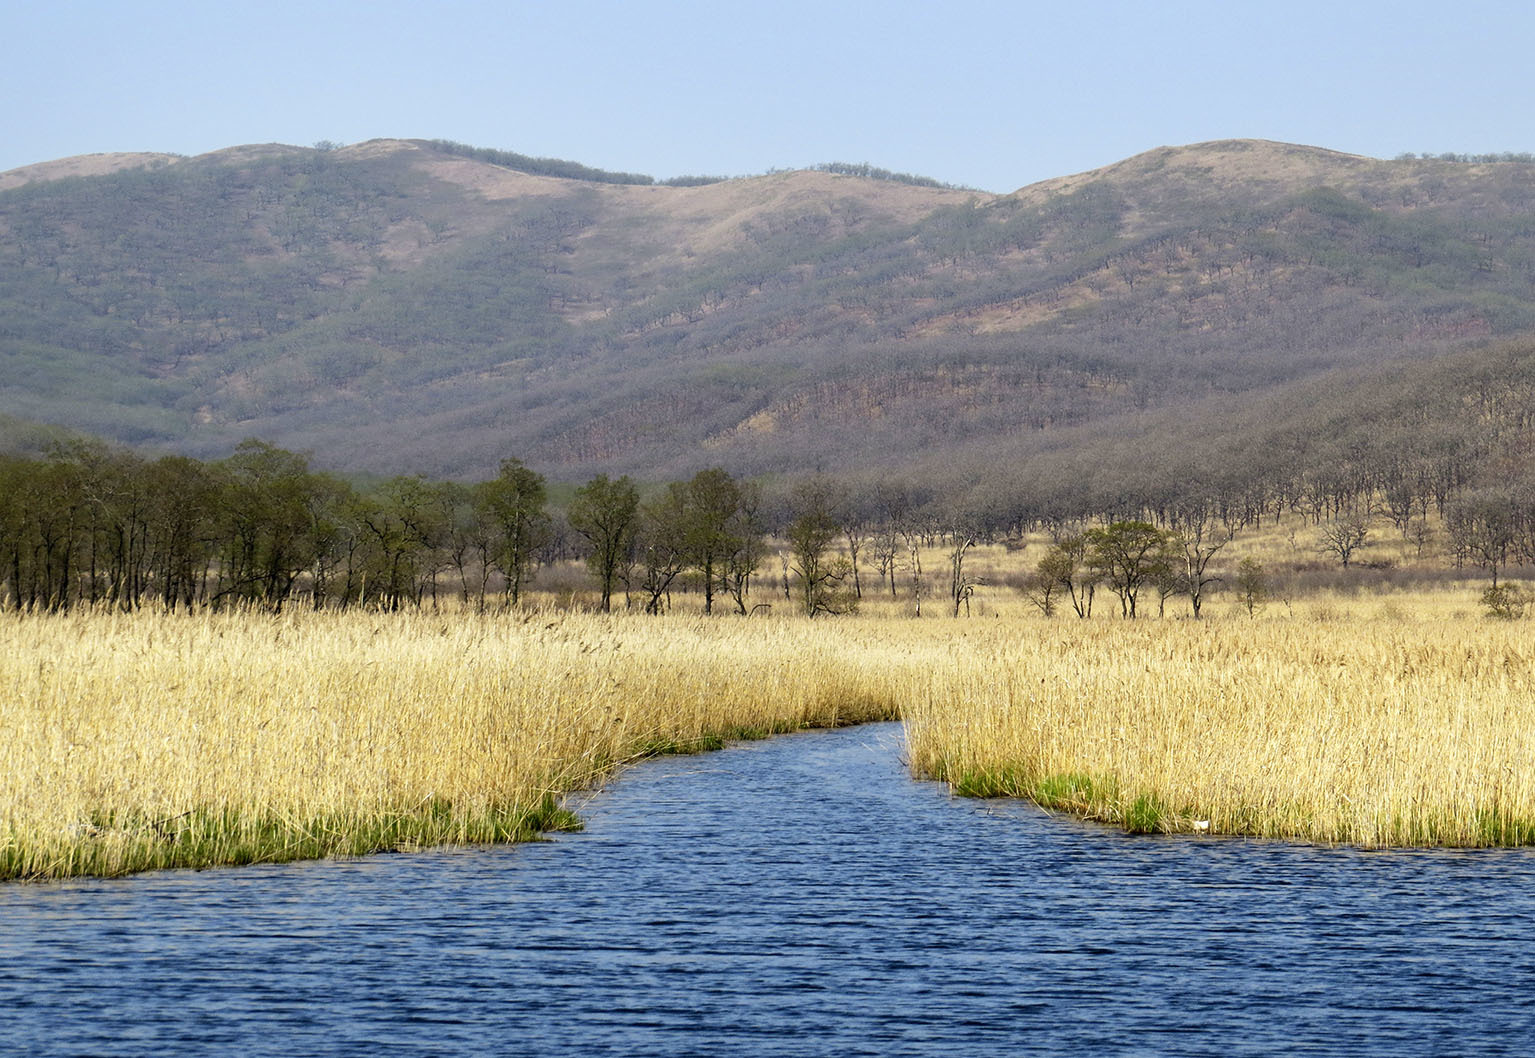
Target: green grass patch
1496	828
1147	815
1074	791
1070	791
1005	781
669	747
1089	796
111	844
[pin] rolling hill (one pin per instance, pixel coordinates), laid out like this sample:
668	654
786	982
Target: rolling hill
414	306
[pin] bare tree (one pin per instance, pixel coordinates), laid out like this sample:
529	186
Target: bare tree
1483	528
1344	535
1420	533
961	587
853	533
1200	541
886	549
914	565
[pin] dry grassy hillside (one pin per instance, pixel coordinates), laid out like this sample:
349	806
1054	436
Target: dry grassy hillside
417	306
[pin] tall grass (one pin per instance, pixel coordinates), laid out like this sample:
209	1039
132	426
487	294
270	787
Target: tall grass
1373	732
131	742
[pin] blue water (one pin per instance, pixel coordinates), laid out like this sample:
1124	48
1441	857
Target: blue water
800	896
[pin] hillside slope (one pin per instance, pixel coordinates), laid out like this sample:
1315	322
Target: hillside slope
400	306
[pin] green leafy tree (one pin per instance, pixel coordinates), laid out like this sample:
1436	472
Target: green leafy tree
1065	566
115	524
1252	585
1041	590
44	512
662	543
748	547
810	536
1505	602
406	525
606	513
267	523
184	497
513	502
712	502
1129	555
336	535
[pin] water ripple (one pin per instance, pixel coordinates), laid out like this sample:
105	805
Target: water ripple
793	897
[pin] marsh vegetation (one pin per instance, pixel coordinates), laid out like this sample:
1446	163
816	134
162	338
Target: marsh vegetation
158	739
250	660
136	741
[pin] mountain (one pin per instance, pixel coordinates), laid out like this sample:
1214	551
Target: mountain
403	306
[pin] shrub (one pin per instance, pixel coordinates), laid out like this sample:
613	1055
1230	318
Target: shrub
1252	585
1505	602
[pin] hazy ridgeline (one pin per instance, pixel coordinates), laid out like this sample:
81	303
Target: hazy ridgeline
429	306
136	741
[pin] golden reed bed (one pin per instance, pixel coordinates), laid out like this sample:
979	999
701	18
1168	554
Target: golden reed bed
142	741
130	742
1382	732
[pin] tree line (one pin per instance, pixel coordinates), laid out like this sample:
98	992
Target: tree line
93	525
262	528
89	524
1475	159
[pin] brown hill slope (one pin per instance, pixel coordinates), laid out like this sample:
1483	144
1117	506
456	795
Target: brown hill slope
402	305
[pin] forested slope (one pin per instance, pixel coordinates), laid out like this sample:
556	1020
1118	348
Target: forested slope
403	306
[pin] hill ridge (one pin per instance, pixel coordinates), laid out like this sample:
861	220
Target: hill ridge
392	305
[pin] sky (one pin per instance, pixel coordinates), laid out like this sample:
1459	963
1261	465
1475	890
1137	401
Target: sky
983	94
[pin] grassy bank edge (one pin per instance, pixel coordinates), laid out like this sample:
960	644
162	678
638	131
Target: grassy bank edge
112	845
1102	799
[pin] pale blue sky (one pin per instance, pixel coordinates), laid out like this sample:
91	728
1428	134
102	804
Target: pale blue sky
989	94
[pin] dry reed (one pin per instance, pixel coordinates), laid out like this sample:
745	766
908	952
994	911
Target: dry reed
131	742
1371	732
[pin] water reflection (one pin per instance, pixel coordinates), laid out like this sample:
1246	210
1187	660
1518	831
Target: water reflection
793	897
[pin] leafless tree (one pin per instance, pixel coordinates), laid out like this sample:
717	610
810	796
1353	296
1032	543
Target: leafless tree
1344	535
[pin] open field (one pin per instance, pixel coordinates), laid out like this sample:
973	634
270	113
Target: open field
131	742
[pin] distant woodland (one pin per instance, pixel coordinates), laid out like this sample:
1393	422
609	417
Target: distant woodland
452	354
425	307
1433	447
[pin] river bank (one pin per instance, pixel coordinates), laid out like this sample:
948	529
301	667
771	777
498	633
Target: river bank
143	741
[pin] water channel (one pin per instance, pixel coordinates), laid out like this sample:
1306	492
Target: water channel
799	896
